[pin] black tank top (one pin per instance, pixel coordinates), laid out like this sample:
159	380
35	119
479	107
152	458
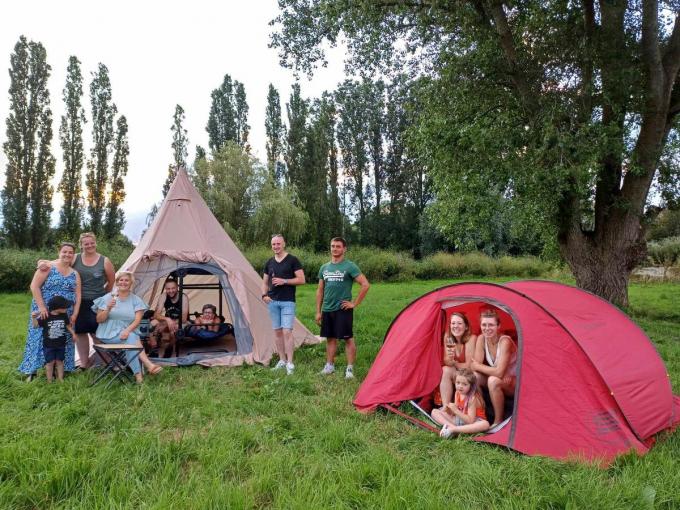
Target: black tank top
173	310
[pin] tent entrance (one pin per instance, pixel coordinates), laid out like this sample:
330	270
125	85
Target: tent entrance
472	307
202	284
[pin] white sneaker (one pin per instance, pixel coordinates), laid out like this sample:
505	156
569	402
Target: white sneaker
445	432
290	368
281	364
328	369
349	372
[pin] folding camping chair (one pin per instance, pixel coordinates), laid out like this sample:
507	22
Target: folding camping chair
116	362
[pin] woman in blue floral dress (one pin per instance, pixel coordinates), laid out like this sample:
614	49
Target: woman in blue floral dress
60	280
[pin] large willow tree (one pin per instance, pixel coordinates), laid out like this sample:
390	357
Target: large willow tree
564	109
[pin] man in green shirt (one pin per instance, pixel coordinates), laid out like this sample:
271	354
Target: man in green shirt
334	305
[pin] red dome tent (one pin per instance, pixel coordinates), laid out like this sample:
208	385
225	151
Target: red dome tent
590	384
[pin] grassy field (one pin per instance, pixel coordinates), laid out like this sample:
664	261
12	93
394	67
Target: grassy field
250	438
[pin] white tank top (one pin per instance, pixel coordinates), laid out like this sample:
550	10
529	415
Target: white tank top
512	366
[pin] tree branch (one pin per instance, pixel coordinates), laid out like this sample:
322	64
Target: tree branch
615	91
589	28
674	107
497	13
671	57
651	53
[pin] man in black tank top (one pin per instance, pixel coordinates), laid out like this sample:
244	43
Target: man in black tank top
171	307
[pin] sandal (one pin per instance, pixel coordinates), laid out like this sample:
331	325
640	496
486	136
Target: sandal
156	369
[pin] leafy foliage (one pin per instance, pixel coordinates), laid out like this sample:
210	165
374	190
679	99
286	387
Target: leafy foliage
228	184
228	116
180	147
567	136
665	253
276	211
275	131
27	195
115	217
73	151
103	113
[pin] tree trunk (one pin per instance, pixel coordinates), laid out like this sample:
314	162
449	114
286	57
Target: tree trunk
602	264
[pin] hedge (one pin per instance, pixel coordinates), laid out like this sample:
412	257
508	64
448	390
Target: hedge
17	266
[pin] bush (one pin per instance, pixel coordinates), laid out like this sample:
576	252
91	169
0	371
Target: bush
382	265
17	266
457	265
665	253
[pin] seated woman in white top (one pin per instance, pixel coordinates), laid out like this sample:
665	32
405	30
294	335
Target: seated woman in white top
119	313
500	354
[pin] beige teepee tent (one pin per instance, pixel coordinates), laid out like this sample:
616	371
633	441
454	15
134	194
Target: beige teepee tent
186	237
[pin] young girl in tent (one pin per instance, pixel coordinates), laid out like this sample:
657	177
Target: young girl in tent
465	415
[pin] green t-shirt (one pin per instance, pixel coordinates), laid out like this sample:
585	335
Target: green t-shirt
337	283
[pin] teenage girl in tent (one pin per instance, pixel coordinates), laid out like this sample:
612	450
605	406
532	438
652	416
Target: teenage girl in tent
466	415
459	347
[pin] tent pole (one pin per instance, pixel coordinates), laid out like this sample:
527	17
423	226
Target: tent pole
422	411
415	421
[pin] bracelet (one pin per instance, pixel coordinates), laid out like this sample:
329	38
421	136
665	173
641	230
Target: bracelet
285	281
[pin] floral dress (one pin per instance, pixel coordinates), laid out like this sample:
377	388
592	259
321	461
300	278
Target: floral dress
56	284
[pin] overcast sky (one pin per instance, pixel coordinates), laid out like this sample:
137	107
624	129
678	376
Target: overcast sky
159	54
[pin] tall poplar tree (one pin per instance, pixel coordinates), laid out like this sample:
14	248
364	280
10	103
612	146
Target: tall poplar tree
297	111
328	121
199	156
275	131
115	218
352	141
73	153
241	115
27	195
103	112
221	120
180	147
228	118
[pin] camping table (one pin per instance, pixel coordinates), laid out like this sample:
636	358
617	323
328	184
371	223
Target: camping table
117	363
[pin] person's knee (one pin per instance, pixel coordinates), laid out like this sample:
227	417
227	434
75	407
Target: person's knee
494	384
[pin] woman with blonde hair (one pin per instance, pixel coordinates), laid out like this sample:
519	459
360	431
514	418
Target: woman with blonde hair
499	352
118	314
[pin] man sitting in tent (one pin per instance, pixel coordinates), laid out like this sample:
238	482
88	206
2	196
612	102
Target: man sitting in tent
170	309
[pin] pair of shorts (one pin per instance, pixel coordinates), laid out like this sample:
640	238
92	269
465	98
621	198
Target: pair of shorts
337	324
86	322
54	354
282	314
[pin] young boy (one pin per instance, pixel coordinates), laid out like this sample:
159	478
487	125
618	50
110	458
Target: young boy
54	329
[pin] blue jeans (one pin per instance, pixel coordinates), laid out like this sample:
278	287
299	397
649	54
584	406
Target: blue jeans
282	314
132	339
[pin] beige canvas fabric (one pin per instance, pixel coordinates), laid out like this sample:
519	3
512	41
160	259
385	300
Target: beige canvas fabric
185	230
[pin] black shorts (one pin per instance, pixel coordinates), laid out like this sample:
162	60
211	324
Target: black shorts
54	353
86	322
337	324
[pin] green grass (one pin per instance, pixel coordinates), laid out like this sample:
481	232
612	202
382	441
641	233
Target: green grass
250	438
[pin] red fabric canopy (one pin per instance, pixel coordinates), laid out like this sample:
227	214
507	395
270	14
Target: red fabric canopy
590	384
